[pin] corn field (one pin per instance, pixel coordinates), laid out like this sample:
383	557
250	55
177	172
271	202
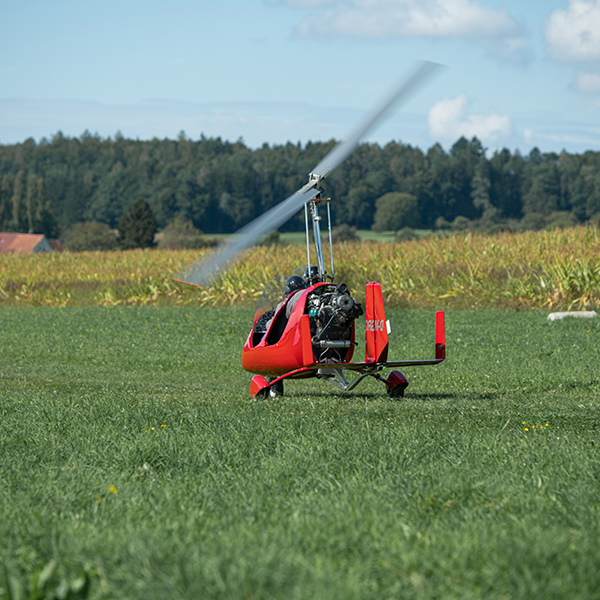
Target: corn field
548	269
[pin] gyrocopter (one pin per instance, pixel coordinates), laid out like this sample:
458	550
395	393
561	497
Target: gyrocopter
305	324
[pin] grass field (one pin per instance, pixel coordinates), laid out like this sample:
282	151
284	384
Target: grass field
129	444
366	235
299	237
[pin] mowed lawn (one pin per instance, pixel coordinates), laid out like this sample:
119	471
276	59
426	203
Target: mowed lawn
129	443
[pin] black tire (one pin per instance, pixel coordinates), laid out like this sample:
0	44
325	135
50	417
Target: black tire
397	392
276	389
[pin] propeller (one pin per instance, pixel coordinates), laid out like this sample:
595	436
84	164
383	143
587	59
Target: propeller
206	270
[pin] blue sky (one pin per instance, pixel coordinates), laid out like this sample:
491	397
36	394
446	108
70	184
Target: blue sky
520	74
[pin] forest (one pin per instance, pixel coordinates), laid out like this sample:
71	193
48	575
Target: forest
49	186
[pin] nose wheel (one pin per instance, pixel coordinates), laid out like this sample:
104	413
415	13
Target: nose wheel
395	383
261	388
276	389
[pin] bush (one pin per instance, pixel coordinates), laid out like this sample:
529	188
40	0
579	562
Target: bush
88	236
442	223
271	239
460	224
561	219
344	233
532	221
595	220
394	211
181	234
558	219
406	234
501	226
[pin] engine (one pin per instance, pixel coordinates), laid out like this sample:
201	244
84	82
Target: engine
332	311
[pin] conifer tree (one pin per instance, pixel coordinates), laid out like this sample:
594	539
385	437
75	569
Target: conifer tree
137	226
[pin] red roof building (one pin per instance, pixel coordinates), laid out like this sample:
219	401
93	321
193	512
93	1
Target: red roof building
24	242
55	245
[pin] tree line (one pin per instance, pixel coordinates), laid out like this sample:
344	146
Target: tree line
219	186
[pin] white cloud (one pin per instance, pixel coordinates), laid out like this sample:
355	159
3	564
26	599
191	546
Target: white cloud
385	18
588	83
573	35
585	140
448	119
496	30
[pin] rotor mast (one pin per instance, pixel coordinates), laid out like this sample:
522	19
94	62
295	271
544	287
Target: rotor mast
313	208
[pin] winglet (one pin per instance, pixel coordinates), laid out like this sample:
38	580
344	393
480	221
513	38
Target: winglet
376	328
440	336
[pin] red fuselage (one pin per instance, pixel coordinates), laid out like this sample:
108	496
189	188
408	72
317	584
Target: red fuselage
292	351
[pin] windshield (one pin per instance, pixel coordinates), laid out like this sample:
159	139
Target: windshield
274	292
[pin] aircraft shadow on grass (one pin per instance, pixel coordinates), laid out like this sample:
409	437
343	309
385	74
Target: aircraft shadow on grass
433	396
375	396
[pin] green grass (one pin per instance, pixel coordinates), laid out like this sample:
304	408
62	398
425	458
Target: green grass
299	237
365	235
129	443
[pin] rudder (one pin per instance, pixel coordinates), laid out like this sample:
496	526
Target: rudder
376	333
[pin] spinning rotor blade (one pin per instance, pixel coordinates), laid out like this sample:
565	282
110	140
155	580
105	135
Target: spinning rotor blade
205	270
424	71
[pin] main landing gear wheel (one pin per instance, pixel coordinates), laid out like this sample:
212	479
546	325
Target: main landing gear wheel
396	384
276	389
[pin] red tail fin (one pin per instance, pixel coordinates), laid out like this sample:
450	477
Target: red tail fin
376	330
440	335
